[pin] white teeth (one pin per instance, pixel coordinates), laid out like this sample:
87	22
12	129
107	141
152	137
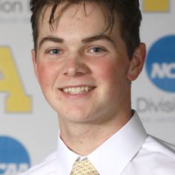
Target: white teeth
77	90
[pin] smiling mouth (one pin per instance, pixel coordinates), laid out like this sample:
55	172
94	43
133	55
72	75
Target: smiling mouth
77	90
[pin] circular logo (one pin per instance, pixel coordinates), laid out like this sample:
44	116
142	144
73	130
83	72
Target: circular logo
160	64
13	157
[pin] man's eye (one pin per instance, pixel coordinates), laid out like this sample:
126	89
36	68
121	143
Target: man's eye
96	50
54	51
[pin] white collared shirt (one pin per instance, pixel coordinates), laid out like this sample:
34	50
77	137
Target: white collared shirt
130	151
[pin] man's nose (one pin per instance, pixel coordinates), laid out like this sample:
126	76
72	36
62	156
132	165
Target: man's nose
75	65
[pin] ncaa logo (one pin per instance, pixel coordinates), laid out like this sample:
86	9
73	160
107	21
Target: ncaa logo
13	157
160	64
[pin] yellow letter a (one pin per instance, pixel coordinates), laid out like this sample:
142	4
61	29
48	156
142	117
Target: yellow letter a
16	101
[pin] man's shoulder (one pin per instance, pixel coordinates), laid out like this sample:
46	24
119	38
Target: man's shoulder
155	157
46	167
155	145
161	154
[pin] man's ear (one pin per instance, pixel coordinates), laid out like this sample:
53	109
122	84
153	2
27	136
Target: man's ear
34	60
137	62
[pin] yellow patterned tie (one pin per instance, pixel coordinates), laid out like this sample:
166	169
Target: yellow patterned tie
83	167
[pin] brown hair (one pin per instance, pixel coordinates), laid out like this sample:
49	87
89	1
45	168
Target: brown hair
127	11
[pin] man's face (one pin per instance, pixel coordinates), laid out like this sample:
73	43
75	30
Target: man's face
84	73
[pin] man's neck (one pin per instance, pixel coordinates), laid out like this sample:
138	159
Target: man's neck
84	138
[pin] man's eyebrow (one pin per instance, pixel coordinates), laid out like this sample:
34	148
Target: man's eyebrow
50	38
98	37
85	40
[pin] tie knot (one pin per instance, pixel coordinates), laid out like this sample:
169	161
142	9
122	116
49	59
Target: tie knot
83	167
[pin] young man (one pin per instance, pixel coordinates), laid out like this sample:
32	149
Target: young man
86	54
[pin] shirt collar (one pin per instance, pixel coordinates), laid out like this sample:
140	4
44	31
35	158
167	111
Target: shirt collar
66	158
119	150
113	155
